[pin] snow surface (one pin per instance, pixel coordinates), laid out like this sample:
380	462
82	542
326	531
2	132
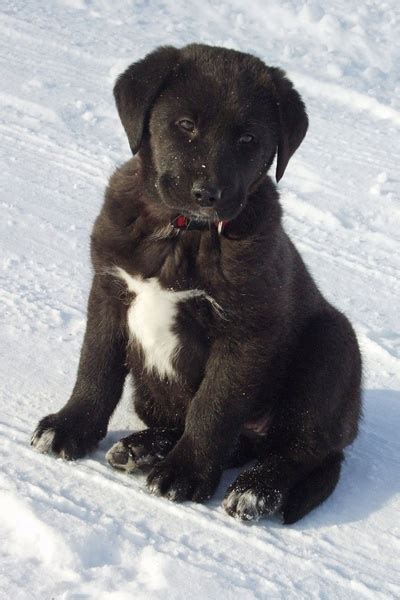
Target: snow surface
81	530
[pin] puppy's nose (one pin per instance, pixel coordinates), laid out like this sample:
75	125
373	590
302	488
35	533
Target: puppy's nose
206	194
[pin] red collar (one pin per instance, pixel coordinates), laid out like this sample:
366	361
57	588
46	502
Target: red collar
182	222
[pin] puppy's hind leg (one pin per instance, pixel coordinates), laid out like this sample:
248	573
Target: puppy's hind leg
280	485
261	490
312	490
315	419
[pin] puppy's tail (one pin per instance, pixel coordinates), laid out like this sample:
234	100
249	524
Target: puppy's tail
313	489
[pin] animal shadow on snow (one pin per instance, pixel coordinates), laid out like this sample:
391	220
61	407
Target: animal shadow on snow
369	477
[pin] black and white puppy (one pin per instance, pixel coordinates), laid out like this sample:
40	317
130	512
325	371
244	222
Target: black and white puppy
200	294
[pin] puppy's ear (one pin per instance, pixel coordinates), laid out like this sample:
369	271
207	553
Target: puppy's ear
138	87
292	116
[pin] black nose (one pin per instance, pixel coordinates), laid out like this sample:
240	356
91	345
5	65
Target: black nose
205	194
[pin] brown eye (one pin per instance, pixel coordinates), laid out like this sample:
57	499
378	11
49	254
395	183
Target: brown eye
246	138
187	125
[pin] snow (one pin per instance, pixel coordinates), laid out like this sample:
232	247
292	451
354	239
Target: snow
81	530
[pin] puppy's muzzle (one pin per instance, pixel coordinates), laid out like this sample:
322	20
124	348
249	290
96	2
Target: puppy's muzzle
206	194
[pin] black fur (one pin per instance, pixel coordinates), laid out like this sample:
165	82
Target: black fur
276	377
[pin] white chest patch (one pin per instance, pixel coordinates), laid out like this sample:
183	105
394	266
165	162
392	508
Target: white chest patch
151	318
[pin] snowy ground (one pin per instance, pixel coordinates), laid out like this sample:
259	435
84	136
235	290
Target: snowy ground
80	530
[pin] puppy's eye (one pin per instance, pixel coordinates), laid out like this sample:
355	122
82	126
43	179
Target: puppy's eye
186	125
246	139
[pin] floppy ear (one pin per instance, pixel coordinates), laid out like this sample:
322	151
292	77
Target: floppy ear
137	88
292	116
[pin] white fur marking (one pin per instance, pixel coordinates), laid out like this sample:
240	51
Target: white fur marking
43	442
151	317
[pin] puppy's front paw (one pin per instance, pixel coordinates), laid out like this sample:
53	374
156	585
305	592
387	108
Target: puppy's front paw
62	437
249	499
178	479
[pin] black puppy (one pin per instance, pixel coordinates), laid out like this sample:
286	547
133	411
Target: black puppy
199	292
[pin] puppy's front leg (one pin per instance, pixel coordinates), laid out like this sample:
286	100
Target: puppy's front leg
76	429
222	404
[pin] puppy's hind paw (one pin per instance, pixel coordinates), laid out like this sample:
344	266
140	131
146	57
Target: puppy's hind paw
142	449
120	457
248	499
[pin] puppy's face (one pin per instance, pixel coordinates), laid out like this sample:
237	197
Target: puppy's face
212	138
214	120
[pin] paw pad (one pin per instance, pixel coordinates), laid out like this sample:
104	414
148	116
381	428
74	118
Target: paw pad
120	458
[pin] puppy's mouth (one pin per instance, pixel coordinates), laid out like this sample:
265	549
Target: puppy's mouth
204	215
170	195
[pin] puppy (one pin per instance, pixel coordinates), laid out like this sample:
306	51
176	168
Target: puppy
200	294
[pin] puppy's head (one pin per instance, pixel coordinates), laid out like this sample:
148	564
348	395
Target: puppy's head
213	119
